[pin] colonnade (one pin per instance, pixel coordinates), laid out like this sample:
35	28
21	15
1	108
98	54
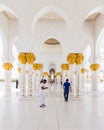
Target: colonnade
31	73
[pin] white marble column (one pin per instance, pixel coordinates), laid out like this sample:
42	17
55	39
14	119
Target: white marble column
83	82
34	78
78	81
30	80
8	79
72	80
23	81
94	81
37	79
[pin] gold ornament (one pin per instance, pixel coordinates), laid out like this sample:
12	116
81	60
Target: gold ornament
83	70
45	74
26	71
77	58
71	58
37	66
19	70
30	58
7	66
22	58
94	67
58	74
26	57
65	66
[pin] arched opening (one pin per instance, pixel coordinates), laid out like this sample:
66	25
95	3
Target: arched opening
51	47
100	48
90	23
94	13
52	70
50	12
51	22
100	44
51	52
52	75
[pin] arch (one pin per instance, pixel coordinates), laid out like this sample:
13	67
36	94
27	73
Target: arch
92	15
52	65
9	13
99	9
52	41
55	37
47	45
98	43
52	70
7	9
47	9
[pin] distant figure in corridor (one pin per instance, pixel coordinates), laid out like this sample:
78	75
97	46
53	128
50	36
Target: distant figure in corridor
16	83
66	87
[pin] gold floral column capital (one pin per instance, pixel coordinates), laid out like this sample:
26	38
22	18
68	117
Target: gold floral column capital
71	58
65	66
94	67
37	66
83	70
22	58
58	74
19	70
79	58
45	73
30	57
7	66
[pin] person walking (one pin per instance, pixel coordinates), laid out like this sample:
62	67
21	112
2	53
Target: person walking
66	87
42	93
16	83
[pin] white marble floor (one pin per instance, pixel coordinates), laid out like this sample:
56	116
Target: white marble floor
84	114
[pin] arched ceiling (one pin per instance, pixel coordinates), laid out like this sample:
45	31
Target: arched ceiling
93	16
51	47
52	41
9	15
51	15
94	13
51	12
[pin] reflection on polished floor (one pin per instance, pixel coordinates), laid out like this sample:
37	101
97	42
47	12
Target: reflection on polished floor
84	114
